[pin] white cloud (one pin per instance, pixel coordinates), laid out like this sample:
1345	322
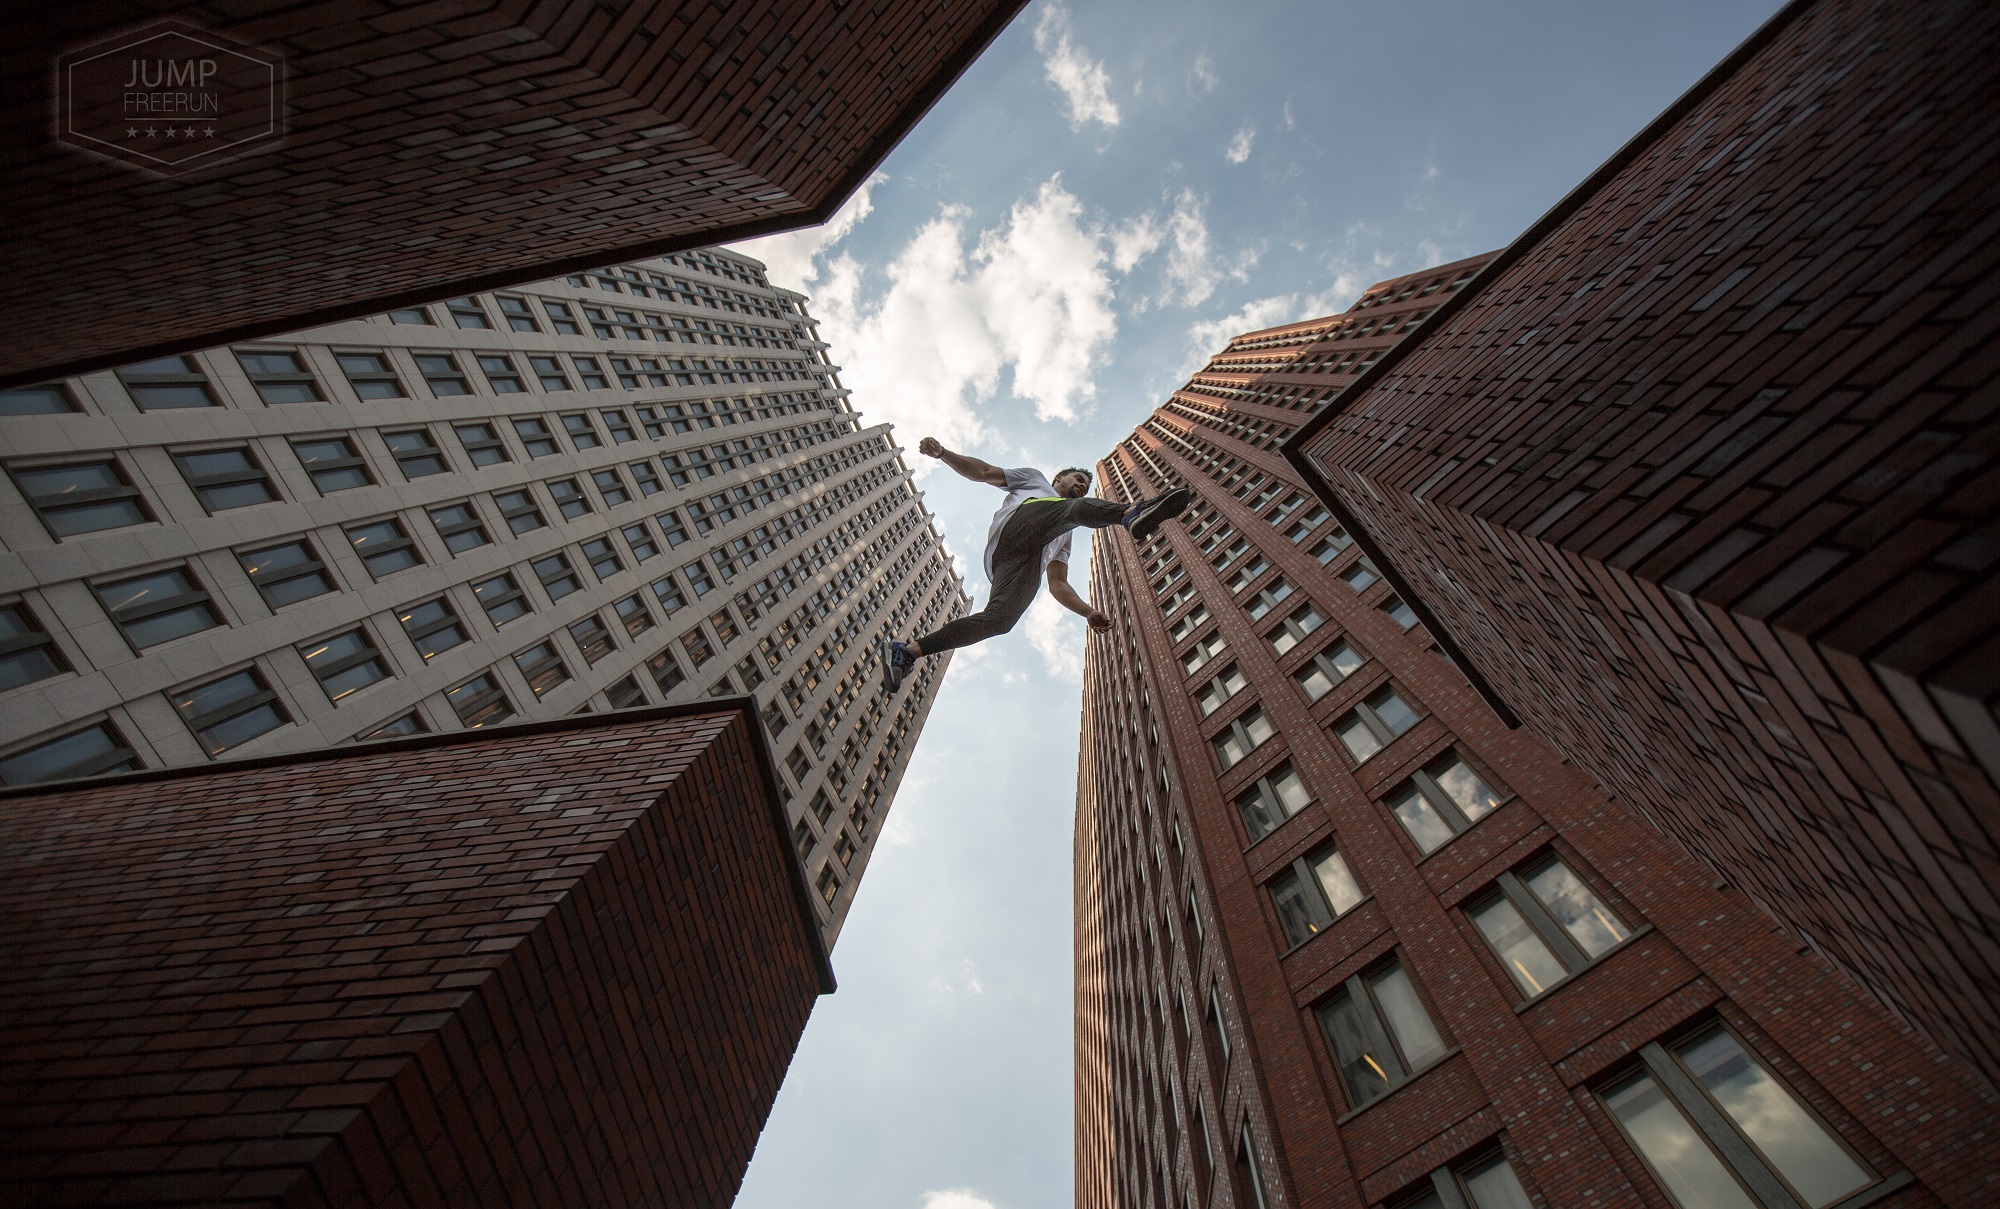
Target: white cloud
1290	121
956	1198
1133	240
1202	75
1058	636
1208	337
1192	271
1085	87
792	257
1239	147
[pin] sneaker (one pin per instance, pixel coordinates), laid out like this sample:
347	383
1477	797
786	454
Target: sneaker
896	662
1146	518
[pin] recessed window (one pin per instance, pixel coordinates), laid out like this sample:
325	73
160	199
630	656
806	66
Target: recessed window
167	383
634	615
344	663
227	479
1304	528
413	316
1362	575
569	497
671	525
1294	629
1204	650
625	693
158	607
401	727
502	599
549	372
1484	1182
611	487
1190	623
1312	892
668	593
441	373
433	627
480	701
640	539
1243	735
501	374
279	377
1248	574
1271	801
467	313
1373	724
1267	598
333	464
1328	668
384	548
582	433
1221	688
370	375
536	437
1442	800
460	527
602	557
619	427
89	752
519	317
593	638
1332	546
557	576
542	668
666	671
560	318
593	377
518	507
287	573
698	576
1400	612
1546	924
83	497
483	446
50	398
1713	1122
229	711
27	654
416	453
695	643
1380	1033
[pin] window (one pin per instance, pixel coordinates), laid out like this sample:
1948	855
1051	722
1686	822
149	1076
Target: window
167	382
647	478
1380	1033
542	667
1204	650
593	638
501	374
433	626
582	433
228	712
569	498
81	498
286	574
226	478
1244	734
1362	575
1441	801
483	446
619	427
279	377
1190	623
1487	1182
1269	597
1332	546
89	752
344	663
332	464
1221	688
557	576
593	377
460	527
158	607
519	510
725	626
634	614
1316	890
640	539
560	318
602	557
1293	630
370	375
1250	571
440	370
1400	611
536	437
414	316
26	652
670	524
549	372
611	487
1328	668
1718	1128
468	313
519	317
480	701
1546	925
416	453
384	548
669	594
666	671
697	574
1271	801
50	398
1374	724
396	728
625	694
695	642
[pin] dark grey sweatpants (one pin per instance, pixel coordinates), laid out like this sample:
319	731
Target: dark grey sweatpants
1017	567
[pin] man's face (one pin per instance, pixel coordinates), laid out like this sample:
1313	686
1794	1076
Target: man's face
1071	485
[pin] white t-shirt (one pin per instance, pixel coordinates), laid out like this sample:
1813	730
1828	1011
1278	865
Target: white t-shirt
1024	483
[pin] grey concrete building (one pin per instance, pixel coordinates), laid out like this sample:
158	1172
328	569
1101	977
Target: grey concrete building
634	486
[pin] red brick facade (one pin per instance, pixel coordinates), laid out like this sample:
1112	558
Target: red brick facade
1179	894
438	149
1699	477
554	964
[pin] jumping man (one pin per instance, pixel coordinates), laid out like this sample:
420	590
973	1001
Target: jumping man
1030	532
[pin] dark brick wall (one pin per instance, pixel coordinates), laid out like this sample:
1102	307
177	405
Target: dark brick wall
439	148
556	964
1522	1075
1700	478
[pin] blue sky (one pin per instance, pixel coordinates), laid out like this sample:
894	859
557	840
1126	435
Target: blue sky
1107	195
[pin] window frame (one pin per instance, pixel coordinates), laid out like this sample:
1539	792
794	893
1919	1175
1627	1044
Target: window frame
195	596
300	375
430	450
475	448
369	653
208	720
134	381
1425	782
201	484
1239	728
417	634
312	565
1303	869
121	752
1358	989
1371	719
449	532
352	461
356	378
34	636
401	543
44	506
466	712
1321	663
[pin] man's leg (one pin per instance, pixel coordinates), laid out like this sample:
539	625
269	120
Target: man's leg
1016	579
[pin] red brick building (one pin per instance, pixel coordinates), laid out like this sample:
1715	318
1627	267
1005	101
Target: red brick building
438	149
1345	938
557	963
1699	476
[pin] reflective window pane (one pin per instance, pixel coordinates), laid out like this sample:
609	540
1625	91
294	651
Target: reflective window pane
1684	1163
1790	1138
1337	882
1361	741
1533	968
1367	1074
1473	796
1405	1017
1420	819
1493	1185
1594	926
1295	908
1291	791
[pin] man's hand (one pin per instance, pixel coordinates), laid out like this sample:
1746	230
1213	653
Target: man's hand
971	468
1098	621
930	447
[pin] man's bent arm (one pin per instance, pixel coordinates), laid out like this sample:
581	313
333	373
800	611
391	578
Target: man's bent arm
973	468
1070	599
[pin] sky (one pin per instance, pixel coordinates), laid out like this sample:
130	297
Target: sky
1112	191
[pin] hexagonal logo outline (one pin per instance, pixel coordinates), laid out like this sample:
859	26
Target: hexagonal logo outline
256	96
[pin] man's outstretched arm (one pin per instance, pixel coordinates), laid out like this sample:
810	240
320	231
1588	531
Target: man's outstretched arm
972	468
1070	599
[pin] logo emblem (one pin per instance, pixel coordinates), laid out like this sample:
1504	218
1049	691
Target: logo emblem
169	97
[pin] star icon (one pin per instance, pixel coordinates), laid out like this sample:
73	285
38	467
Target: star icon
131	132
171	132
149	132
210	132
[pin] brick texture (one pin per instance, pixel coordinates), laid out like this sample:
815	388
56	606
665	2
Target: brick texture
436	149
1175	898
1699	478
554	964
